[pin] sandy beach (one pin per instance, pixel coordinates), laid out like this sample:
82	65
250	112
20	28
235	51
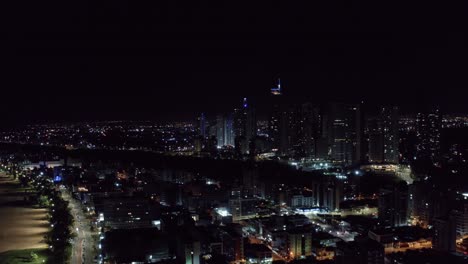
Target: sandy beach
21	226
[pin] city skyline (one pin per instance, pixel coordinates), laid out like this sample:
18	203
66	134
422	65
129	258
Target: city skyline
286	132
125	62
108	108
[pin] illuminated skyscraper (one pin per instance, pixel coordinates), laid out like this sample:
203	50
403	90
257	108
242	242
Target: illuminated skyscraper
279	122
239	123
273	133
390	134
224	130
245	126
220	128
309	129
345	132
376	140
228	130
428	127
277	125
300	127
383	132
332	193
202	123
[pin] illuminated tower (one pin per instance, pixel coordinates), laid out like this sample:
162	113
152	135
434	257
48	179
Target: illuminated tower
224	130
390	134
345	132
220	130
276	90
245	125
278	121
202	125
428	133
229	130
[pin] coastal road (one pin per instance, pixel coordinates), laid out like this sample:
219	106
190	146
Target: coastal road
83	244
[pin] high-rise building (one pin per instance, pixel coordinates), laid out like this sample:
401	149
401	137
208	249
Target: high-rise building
390	131
301	201
283	135
332	193
444	238
299	244
278	123
251	124
228	130
309	129
322	141
393	206
224	130
294	129
274	126
220	128
243	208
461	216
198	144
245	126
376	140
420	203
239	123
327	192
428	128
345	133
303	128
341	147
251	185
189	251
202	125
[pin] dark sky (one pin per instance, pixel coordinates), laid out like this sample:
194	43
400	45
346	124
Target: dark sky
78	60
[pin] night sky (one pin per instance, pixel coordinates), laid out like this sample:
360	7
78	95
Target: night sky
83	60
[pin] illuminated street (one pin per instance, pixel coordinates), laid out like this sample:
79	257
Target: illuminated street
83	244
291	132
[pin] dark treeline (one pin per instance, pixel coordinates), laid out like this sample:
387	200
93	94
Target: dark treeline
218	169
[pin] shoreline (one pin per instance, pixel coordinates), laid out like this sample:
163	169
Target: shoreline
23	227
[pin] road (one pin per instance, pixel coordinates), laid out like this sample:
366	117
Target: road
276	256
414	246
255	240
343	232
83	244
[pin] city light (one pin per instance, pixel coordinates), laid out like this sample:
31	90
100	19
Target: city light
222	212
220	161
